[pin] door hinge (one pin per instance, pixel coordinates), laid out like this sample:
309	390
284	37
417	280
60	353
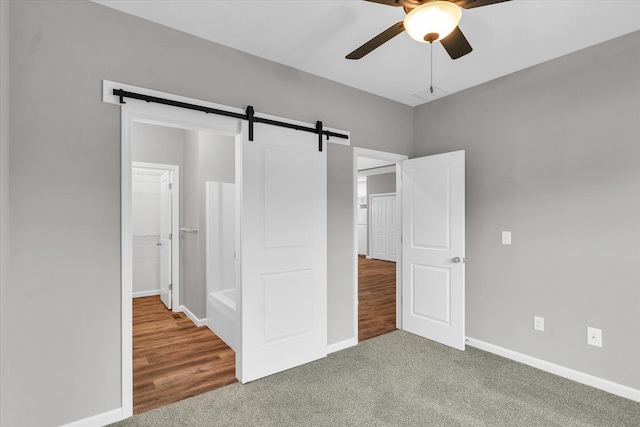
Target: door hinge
170	236
170	185
170	286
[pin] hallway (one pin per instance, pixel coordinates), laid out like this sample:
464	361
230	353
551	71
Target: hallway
377	298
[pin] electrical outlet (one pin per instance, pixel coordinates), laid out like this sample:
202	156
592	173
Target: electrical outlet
538	323
594	336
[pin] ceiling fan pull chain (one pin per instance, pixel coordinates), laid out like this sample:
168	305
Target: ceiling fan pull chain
431	87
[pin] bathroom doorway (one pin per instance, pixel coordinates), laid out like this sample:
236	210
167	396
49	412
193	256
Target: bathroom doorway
176	353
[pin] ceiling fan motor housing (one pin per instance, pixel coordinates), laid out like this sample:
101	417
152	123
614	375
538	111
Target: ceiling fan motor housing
432	21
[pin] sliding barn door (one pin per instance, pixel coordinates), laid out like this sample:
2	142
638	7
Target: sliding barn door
284	252
433	215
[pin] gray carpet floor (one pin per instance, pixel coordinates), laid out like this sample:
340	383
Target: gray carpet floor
400	379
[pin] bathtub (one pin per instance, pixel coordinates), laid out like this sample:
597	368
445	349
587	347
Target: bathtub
221	315
228	298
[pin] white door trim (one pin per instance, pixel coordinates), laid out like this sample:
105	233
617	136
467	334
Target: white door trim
175	225
391	157
137	111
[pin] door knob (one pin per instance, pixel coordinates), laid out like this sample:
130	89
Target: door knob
456	260
158	244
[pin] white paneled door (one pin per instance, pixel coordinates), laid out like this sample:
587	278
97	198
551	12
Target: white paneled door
284	252
384	228
433	212
165	239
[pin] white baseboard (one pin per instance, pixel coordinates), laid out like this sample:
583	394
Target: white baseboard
102	419
577	376
193	317
341	345
146	293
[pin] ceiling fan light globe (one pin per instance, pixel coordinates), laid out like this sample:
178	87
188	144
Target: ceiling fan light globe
439	17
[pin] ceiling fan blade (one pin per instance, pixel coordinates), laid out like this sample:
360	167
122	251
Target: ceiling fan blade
377	41
404	3
387	2
470	4
456	44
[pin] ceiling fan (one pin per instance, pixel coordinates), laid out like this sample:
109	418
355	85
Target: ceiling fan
427	21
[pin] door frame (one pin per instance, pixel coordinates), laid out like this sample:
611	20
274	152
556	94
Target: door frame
397	159
370	222
175	225
139	111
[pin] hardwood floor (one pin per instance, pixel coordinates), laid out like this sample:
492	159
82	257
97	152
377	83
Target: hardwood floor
377	298
172	358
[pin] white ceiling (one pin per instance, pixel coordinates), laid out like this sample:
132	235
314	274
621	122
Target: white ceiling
314	36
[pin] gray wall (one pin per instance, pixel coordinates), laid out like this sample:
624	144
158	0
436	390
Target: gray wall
61	305
552	155
379	184
4	186
157	144
190	279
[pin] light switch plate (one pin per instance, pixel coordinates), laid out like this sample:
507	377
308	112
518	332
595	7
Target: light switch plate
506	237
538	323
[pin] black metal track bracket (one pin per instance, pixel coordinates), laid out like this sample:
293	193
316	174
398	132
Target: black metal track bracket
250	112
319	130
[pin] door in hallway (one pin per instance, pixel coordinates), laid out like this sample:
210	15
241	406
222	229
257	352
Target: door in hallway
384	227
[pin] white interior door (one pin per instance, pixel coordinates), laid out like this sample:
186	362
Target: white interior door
283	252
433	247
165	239
379	228
384	229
